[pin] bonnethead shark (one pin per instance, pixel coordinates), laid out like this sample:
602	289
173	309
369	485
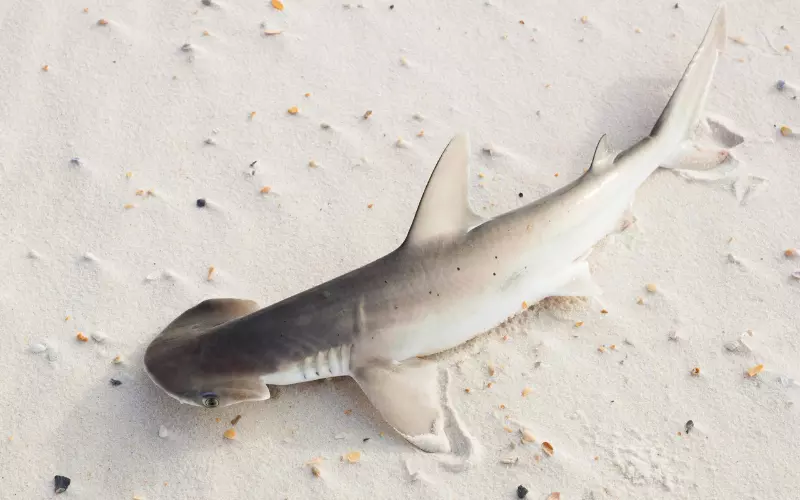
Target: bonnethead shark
455	276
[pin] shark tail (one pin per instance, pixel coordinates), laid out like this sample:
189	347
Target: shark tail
683	112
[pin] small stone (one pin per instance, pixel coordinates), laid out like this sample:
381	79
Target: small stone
522	491
163	432
210	141
99	337
117	360
324	126
689	426
187	47
796	275
115	382
76	161
207	3
780	85
201	202
61	483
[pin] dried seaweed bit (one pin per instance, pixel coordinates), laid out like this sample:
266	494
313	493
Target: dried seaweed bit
61	483
522	491
229	434
293	110
548	448
236	419
689	426
277	4
755	370
80	336
526	391
115	383
367	114
352	457
695	371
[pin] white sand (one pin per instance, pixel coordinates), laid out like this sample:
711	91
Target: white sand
124	98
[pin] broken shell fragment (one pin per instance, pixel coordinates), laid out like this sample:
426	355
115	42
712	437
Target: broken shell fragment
353	457
548	448
755	370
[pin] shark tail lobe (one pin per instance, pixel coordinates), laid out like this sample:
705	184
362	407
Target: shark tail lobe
684	110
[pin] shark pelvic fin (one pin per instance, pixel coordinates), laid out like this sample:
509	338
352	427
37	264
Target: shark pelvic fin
578	282
444	209
410	397
603	155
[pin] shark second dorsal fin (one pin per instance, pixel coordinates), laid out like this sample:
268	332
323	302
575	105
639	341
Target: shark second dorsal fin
603	155
444	209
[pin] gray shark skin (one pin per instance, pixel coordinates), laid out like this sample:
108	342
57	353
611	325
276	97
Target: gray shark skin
454	277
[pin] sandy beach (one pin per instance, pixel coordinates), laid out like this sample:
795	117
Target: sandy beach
155	154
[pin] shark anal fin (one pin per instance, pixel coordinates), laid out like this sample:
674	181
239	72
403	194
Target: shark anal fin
409	397
444	209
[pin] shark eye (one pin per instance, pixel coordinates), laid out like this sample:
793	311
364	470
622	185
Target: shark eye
210	400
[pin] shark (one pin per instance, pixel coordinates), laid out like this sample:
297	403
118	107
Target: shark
455	276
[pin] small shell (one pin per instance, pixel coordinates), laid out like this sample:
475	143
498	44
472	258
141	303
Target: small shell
293	110
524	305
554	496
578	324
272	32
229	434
526	391
315	470
791	252
508	429
353	457
102	22
492	370
45	68
548	448
367	114
601	349
211	270
277	4
584	19
117	360
785	131
163	432
313	164
370	205
651	287
83	338
527	436
266	190
695	371
37	348
603	311
752	372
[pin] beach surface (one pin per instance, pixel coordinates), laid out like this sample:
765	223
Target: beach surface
308	130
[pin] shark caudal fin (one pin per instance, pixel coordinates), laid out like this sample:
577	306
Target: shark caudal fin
684	110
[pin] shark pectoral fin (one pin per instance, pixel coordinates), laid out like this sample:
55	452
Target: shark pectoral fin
409	397
444	209
578	282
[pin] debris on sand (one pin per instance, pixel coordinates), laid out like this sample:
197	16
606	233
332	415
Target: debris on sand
522	491
61	483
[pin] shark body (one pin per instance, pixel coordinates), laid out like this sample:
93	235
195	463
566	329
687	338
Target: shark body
454	277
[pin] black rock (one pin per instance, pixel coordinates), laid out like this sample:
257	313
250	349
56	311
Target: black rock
62	483
689	426
522	491
116	382
201	202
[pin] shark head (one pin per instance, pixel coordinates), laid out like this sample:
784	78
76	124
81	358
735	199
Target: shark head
179	363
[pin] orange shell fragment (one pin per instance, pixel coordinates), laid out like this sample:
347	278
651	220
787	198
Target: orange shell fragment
277	4
752	372
548	448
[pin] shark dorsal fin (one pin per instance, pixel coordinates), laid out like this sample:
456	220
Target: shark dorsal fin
444	209
603	155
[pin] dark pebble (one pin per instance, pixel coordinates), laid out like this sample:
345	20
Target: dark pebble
391	7
522	491
115	382
520	195
676	6
62	483
365	440
201	202
689	426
